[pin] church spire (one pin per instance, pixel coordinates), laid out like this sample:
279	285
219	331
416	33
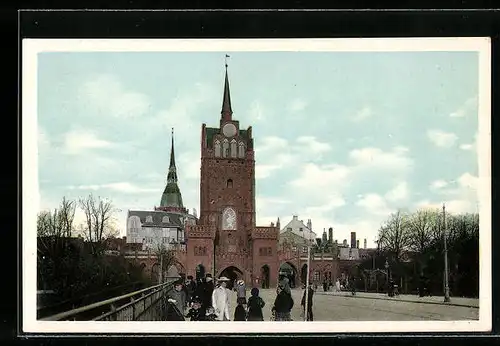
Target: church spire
171	200
226	112
172	170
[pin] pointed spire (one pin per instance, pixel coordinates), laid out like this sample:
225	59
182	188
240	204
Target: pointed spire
227	111
172	198
172	170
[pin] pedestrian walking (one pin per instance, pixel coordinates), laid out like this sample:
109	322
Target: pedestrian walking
241	294
309	316
283	305
220	299
337	285
191	288
240	313
176	303
255	305
208	289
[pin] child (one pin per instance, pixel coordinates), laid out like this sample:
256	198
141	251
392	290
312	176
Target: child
239	312
196	313
255	305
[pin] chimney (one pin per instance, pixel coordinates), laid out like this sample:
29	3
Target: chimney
295	217
353	239
357	244
344	242
309	224
364	243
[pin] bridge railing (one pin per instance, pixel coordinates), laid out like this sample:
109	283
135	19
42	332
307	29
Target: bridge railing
144	305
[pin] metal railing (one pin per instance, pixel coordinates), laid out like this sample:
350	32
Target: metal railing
147	304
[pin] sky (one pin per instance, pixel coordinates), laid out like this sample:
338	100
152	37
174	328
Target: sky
341	138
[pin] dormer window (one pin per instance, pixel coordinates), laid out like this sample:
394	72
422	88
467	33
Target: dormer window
165	219
149	218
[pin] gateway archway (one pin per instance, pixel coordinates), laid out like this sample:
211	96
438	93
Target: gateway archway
289	271
233	274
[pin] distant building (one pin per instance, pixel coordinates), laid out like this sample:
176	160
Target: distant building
296	232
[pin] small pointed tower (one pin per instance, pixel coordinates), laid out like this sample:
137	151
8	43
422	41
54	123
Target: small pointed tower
278	225
324	238
171	200
227	111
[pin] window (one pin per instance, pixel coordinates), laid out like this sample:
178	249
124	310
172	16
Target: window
217	148
229	183
225	148
304	249
229	219
200	251
317	276
233	148
269	251
301	229
241	150
289	229
149	219
165	219
294	248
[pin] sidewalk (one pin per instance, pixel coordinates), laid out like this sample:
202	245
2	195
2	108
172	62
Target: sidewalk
454	301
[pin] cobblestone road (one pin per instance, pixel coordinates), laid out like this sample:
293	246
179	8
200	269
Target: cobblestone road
330	307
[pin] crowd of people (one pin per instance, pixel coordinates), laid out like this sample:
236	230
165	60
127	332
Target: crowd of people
206	300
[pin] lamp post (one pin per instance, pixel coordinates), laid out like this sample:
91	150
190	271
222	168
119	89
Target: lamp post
387	271
446	286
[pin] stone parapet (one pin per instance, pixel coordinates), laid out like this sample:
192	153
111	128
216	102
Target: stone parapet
265	233
198	231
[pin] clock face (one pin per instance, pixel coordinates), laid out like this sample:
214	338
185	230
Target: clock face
229	130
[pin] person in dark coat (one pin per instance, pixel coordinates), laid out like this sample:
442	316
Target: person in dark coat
283	305
310	295
239	312
176	303
197	312
208	289
191	287
255	305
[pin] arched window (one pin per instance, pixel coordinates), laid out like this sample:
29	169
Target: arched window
217	148
229	183
225	148
241	150
134	222
149	218
229	219
165	219
233	148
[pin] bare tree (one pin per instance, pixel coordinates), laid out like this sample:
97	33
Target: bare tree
421	228
394	236
99	220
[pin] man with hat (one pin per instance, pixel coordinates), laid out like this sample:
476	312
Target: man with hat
176	299
220	299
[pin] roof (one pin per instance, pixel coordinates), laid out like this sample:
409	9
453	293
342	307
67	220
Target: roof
157	216
295	224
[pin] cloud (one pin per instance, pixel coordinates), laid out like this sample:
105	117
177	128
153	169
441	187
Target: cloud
311	145
123	187
438	184
297	105
109	97
466	146
459	195
77	141
370	157
318	178
468	106
398	193
441	138
374	204
362	114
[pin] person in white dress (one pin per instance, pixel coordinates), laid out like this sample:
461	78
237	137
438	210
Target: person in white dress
337	285
220	300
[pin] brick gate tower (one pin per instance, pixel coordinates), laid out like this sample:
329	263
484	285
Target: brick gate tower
226	241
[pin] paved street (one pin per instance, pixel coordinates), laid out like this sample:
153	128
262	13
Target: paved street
342	307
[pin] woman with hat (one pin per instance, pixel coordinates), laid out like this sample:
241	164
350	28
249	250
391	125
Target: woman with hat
220	299
283	304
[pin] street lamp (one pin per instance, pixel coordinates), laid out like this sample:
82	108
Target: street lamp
446	286
387	271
